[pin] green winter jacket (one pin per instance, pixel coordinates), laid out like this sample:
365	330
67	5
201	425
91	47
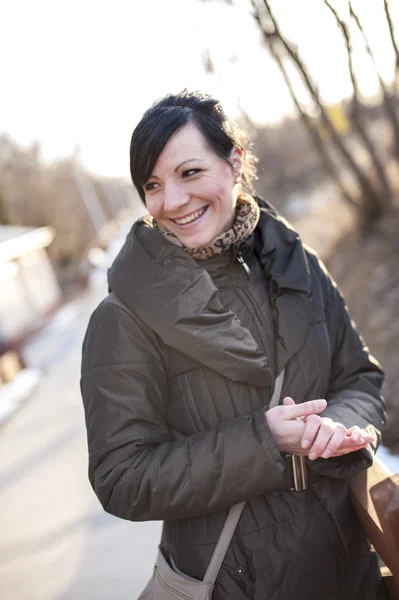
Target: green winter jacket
179	364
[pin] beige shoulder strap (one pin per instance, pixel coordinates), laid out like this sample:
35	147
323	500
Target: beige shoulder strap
235	511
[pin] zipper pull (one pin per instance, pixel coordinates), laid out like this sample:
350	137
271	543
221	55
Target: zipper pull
242	262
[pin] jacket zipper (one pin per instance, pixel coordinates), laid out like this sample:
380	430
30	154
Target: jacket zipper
242	262
258	319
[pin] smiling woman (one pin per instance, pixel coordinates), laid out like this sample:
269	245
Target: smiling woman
189	163
212	298
194	198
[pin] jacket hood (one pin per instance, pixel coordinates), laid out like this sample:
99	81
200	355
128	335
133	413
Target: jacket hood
177	299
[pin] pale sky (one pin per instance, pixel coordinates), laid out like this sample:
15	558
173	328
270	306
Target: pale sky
82	72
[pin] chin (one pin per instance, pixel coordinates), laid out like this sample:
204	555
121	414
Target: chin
199	240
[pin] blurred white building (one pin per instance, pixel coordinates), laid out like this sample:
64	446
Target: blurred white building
29	292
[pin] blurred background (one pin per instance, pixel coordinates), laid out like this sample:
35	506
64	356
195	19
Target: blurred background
316	84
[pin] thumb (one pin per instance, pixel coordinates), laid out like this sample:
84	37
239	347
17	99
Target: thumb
313	407
288	401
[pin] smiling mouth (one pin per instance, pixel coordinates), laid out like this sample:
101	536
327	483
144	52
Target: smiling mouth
191	218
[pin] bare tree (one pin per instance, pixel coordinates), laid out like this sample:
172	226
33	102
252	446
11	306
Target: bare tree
314	132
7	215
394	43
34	194
370	198
387	98
357	113
373	198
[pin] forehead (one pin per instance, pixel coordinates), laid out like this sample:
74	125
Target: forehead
186	143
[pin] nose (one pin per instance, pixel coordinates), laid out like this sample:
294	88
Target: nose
174	197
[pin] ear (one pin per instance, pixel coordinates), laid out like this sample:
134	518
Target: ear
236	159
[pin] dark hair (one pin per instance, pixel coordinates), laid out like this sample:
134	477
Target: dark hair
167	115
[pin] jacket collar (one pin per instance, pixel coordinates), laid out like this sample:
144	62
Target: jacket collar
284	260
175	296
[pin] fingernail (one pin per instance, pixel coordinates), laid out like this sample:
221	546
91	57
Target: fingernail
326	453
305	443
312	456
320	404
356	437
361	440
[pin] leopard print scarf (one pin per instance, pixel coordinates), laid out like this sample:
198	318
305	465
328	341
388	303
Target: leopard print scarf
247	217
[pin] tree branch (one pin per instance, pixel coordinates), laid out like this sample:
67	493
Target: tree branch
394	43
388	102
358	113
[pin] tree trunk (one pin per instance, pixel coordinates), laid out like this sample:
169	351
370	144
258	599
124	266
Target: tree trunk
371	198
394	43
387	99
313	131
357	115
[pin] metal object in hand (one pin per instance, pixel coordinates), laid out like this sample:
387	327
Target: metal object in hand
299	473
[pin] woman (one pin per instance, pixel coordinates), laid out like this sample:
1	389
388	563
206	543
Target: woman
212	295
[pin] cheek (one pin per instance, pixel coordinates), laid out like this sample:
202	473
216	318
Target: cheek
212	190
154	207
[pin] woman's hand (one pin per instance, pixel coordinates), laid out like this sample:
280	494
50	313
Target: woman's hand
287	423
327	438
297	429
355	439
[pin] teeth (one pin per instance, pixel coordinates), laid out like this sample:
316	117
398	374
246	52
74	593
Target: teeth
191	217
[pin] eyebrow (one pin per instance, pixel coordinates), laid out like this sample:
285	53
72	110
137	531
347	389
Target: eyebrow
185	162
178	166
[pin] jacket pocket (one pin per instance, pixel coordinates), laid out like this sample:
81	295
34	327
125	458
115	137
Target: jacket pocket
238	562
244	579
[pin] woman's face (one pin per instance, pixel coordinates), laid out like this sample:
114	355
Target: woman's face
192	191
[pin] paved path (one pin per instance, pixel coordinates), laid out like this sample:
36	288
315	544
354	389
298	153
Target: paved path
56	542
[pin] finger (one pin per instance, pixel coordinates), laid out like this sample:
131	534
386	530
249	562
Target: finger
323	437
360	435
353	428
355	433
356	428
288	401
304	409
311	428
348	449
335	440
351	441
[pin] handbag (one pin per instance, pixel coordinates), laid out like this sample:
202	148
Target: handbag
375	497
169	583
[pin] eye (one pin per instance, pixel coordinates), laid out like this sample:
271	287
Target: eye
150	187
190	172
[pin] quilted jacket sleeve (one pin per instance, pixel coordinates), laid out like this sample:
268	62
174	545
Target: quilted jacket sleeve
354	395
138	470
